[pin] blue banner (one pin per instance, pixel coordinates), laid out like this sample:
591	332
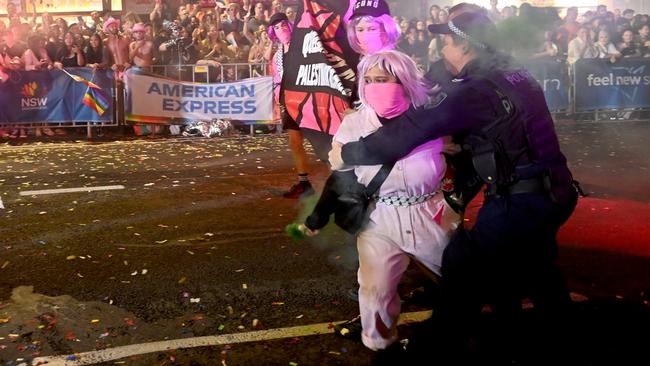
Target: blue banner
552	77
599	84
52	96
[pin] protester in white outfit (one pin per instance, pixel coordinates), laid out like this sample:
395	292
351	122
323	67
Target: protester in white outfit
410	218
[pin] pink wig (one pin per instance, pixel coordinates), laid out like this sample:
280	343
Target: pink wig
271	31
388	27
402	67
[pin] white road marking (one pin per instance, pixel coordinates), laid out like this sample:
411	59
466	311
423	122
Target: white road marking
70	190
116	353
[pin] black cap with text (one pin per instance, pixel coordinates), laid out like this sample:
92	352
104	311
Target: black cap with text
277	18
374	8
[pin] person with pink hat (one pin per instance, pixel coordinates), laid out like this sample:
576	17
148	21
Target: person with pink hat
141	49
118	46
110	22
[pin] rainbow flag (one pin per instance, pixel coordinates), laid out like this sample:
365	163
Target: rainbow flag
96	100
82	80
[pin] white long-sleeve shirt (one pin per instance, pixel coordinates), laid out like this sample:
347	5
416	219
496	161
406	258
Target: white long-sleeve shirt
417	174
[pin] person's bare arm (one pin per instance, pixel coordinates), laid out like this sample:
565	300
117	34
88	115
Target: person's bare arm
247	33
268	52
156	13
81	59
34	14
133	50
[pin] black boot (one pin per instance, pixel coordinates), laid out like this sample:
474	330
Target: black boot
299	190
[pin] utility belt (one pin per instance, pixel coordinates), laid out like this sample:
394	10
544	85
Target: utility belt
404	201
532	185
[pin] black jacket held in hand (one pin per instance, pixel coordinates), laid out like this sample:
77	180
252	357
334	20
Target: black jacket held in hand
338	183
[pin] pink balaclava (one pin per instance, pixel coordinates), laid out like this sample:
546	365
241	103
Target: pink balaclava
388	100
283	34
372	42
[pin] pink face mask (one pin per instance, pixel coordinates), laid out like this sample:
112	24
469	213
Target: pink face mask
371	42
284	35
386	99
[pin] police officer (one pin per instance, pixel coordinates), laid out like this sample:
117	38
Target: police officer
499	114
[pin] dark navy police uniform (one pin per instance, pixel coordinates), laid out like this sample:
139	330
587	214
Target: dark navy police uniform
502	121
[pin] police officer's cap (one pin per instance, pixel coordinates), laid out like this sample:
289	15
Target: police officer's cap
475	27
277	18
374	8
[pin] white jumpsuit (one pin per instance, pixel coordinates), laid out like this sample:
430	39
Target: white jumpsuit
395	231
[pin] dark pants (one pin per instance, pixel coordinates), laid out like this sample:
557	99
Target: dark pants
320	141
508	255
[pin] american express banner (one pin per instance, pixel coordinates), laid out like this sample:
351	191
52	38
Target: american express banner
553	78
54	96
599	84
150	98
320	67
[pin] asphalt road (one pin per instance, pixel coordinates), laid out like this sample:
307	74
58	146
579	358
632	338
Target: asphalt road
194	245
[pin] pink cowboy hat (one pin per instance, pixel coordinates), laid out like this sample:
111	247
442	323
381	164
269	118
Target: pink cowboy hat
110	21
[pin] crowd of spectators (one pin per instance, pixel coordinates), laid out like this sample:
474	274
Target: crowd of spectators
216	33
208	32
531	33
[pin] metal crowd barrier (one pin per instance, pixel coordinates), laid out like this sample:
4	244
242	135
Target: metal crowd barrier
603	90
202	72
591	87
52	99
213	72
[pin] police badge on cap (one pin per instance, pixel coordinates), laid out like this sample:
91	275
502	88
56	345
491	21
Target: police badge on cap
374	8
